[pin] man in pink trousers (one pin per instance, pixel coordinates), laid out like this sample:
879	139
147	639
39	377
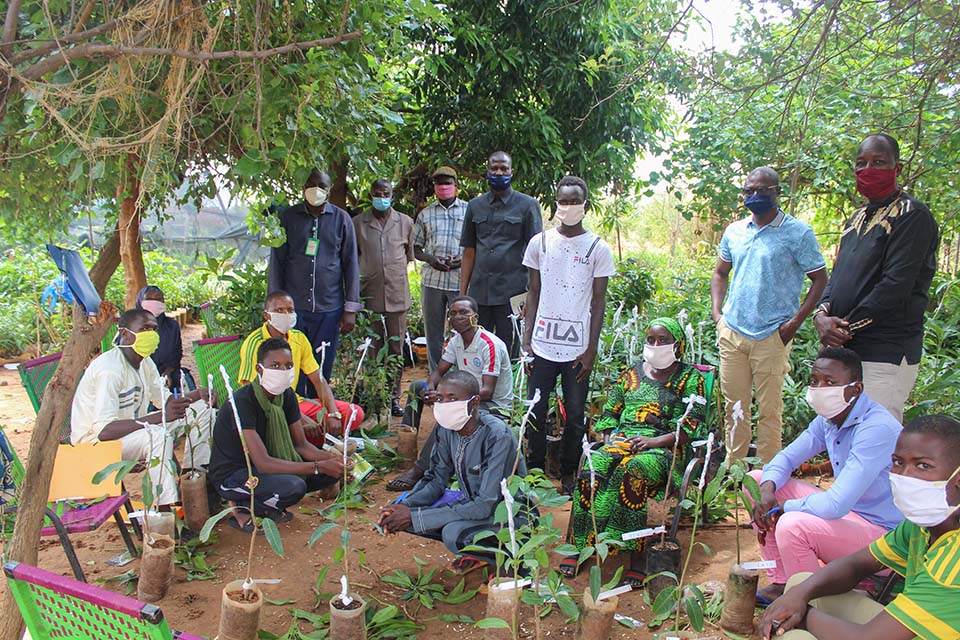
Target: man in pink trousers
800	526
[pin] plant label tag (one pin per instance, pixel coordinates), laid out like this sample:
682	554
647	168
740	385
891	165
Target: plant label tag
614	592
313	246
643	533
513	584
763	564
121	560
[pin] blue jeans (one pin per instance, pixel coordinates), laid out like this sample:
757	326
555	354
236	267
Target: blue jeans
433	304
544	377
319	328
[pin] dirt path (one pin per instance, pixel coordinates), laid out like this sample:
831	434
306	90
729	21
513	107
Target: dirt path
194	605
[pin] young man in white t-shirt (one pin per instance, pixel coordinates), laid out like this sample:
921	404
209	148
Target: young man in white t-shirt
569	268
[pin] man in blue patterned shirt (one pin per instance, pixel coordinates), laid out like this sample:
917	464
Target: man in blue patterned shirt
758	310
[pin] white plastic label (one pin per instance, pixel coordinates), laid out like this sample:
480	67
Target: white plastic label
614	592
513	584
643	533
762	564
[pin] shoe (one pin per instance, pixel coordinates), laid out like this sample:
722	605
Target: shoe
568	482
395	409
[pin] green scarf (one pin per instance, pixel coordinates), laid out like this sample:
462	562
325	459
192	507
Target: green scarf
676	331
279	443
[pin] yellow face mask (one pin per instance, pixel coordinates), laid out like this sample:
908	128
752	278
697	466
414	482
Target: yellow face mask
145	343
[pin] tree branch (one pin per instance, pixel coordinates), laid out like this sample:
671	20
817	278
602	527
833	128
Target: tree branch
89	50
10	27
53	45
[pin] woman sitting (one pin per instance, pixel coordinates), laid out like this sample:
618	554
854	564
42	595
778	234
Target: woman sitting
641	414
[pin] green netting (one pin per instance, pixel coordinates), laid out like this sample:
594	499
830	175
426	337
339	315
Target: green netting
35	374
50	614
107	343
213	352
209	318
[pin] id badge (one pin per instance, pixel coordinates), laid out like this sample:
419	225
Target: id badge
313	245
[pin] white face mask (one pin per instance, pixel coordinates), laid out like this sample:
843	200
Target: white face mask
828	402
452	415
659	356
282	322
922	502
156	307
571	214
276	381
315	196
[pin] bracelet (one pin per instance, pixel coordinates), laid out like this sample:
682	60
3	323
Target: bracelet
335	414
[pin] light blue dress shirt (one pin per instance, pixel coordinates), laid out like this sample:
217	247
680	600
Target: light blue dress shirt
769	264
860	452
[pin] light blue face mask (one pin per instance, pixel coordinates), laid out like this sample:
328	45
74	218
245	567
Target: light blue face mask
382	204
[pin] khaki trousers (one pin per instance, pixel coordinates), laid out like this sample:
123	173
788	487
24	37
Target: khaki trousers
890	384
745	364
853	606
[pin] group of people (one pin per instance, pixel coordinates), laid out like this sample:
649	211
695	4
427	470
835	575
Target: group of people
483	260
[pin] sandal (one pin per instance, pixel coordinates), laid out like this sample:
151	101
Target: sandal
280	516
405	481
634	578
569	567
246	527
462	565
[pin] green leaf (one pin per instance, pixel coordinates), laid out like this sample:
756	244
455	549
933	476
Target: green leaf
752	488
492	623
384	614
273	535
320	531
122	468
666	601
567	550
694	612
211	523
279	603
595	582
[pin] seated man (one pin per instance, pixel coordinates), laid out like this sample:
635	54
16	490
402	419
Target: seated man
924	549
472	349
801	526
285	464
477	442
279	318
113	399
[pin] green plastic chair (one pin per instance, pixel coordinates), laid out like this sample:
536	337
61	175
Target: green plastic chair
35	375
107	343
210	353
54	606
209	317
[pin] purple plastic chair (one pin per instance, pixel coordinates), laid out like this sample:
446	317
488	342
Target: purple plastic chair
55	606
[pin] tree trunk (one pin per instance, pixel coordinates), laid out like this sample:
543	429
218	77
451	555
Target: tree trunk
83	344
338	178
135	276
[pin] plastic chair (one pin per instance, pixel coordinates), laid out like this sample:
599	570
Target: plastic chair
210	353
209	317
35	375
78	504
55	606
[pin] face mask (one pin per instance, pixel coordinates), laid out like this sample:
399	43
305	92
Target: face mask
876	184
282	322
382	204
445	191
759	203
922	502
659	356
144	343
315	196
571	214
452	415
828	402
155	307
499	183
276	381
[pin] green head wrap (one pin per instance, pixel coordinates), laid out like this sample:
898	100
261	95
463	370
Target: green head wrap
675	330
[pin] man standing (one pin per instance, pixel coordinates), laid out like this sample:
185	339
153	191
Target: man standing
496	229
385	246
769	254
113	403
436	242
569	268
877	294
317	266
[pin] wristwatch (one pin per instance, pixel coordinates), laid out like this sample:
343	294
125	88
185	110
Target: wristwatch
335	414
316	468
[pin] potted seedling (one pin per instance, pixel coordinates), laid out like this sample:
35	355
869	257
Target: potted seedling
242	600
193	484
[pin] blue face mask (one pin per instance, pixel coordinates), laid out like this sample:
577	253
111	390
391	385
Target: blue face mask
499	183
759	203
382	204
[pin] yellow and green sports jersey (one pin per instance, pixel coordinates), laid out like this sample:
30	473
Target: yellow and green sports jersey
930	603
303	360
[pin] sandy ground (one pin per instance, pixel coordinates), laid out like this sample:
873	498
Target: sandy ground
194	605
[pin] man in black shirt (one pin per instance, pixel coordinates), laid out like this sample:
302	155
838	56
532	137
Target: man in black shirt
285	464
318	267
877	293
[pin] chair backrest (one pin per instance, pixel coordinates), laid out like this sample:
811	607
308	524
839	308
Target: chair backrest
209	317
55	606
11	470
107	342
75	466
35	374
210	353
714	400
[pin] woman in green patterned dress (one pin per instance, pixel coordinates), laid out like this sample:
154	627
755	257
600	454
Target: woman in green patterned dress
641	414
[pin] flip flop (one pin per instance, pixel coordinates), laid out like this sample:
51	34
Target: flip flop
569	568
462	565
763	602
634	578
402	482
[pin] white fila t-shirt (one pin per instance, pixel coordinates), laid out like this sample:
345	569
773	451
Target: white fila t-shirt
567	269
